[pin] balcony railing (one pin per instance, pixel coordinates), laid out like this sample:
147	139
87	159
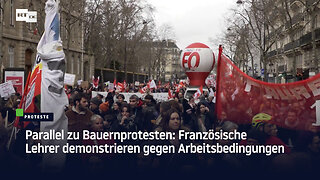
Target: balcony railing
305	39
274	52
271	53
291	45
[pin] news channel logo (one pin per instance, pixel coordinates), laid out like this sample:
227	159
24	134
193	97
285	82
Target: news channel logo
34	116
26	15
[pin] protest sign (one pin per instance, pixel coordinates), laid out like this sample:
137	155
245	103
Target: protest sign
16	76
69	79
6	89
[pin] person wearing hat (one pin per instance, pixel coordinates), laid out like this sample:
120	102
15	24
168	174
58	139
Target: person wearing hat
149	112
265	123
104	108
94	105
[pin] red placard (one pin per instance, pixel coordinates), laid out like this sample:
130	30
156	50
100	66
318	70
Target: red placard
17	83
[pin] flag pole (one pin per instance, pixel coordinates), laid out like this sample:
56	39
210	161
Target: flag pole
17	122
6	120
218	79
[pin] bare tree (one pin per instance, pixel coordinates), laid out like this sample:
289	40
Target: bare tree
122	36
253	17
72	13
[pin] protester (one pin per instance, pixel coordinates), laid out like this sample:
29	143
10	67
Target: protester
79	116
97	162
125	121
109	99
9	162
99	96
116	108
120	98
164	107
149	112
204	122
212	108
137	114
264	123
104	108
175	162
109	116
189	114
8	111
289	136
94	105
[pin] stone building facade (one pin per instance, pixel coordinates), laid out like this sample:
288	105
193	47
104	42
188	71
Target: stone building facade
19	40
292	57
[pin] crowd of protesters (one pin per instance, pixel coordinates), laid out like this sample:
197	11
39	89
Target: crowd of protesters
113	113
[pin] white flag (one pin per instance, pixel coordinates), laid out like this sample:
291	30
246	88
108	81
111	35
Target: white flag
153	85
53	96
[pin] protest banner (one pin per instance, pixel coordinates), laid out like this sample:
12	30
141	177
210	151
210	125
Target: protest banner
240	97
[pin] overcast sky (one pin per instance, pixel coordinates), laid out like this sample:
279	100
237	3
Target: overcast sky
193	20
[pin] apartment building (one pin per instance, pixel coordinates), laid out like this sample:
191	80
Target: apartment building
167	55
173	70
19	39
294	55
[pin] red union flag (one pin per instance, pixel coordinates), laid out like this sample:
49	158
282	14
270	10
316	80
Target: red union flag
198	93
240	97
181	85
124	85
95	81
144	89
115	83
120	87
170	96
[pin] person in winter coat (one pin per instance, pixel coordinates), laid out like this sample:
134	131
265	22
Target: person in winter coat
125	120
203	121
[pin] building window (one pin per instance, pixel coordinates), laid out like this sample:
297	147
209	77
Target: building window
79	66
11	56
11	13
299	61
72	65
